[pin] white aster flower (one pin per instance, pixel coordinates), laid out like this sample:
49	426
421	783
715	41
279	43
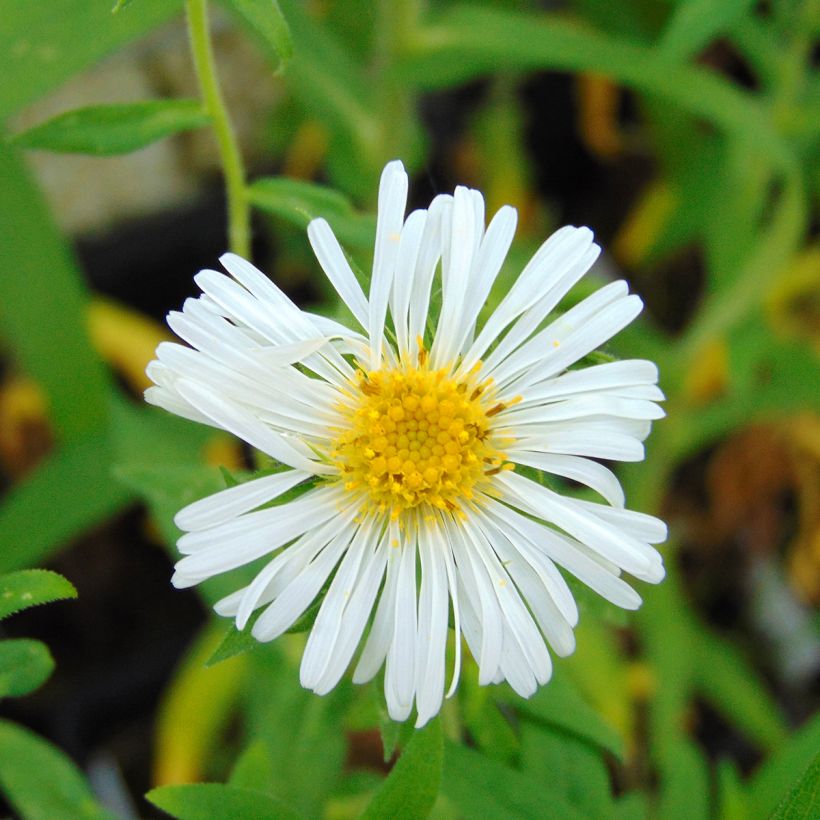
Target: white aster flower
407	441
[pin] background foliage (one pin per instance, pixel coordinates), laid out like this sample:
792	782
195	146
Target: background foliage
687	133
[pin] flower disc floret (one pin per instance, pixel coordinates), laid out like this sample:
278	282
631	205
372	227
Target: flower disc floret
417	437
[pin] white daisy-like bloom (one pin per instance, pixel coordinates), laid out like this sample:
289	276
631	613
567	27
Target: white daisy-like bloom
414	438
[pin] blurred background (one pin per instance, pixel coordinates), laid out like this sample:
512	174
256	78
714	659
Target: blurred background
685	134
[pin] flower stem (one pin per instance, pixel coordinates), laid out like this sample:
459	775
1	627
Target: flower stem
233	168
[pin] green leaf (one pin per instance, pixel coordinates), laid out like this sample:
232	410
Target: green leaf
235	642
24	666
484	788
412	786
685	789
771	781
267	25
695	23
43	44
107	130
468	41
253	769
559	704
732	686
803	800
82	466
299	202
304	733
43	301
216	801
32	587
40	781
168	488
567	765
238	641
330	86
393	733
731	795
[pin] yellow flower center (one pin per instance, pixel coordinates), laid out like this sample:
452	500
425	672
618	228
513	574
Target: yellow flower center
417	437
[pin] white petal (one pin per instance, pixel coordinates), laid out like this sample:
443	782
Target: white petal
594	475
355	617
432	625
406	264
550	273
456	274
251	536
429	255
242	424
272	579
234	501
516	615
337	269
300	593
565	552
577	332
620	548
381	630
399	676
576	407
392	203
320	644
607	376
494	247
483	601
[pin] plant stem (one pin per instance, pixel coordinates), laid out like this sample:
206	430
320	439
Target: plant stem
239	235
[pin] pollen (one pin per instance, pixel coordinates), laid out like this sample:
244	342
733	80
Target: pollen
417	437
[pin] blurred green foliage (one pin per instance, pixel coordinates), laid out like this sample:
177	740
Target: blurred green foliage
737	176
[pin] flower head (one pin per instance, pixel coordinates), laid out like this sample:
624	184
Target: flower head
414	438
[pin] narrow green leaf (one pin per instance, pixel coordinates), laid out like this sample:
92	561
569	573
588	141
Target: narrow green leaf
121	4
330	86
43	44
558	704
236	641
567	765
299	202
684	793
253	768
803	800
267	25
74	486
771	781
107	130
732	686
412	786
305	734
632	806
32	587
731	794
168	488
25	665
468	41
40	781
393	733
484	788
43	301
216	801
695	23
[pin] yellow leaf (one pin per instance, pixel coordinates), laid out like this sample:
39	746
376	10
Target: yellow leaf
195	710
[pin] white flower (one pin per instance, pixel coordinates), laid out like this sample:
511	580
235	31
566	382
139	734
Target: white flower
410	438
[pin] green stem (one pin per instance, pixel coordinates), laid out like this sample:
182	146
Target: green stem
239	234
396	23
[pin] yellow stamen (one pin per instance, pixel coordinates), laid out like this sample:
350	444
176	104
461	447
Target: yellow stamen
416	437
